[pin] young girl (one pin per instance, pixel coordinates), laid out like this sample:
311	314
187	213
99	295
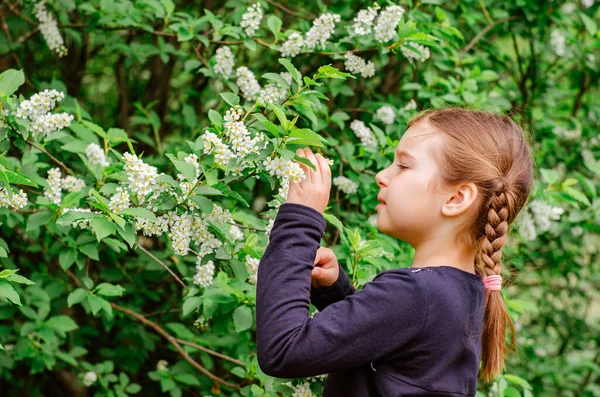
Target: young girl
458	179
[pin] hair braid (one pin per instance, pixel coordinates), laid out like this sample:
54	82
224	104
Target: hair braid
494	327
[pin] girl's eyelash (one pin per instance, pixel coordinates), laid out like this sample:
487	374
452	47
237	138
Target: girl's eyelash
401	166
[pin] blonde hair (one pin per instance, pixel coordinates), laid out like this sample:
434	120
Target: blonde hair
494	153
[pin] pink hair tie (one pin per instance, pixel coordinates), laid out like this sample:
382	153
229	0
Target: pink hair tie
493	282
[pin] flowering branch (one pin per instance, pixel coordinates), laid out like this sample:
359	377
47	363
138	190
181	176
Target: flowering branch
163	265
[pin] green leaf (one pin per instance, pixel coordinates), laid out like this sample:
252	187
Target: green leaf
187	379
206	205
169	6
139	212
329	71
274	23
66	358
66	258
280	115
16	278
242	318
38	219
10	81
292	69
107	289
489	75
102	202
62	323
7	291
103	227
590	25
90	250
190	304
269	125
76	296
128	234
215	118
18	179
6	273
231	98
305	136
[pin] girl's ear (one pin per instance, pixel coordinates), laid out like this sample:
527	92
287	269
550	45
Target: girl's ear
460	200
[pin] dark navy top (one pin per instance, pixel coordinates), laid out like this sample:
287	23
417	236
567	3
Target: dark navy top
408	332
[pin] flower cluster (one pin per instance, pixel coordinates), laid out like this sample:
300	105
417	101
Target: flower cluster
162	365
272	93
386	114
292	46
557	40
587	3
537	218
411	105
54	189
96	155
363	22
205	273
141	176
49	29
346	185
82	223
247	83
571	134
387	23
317	35
89	378
236	233
119	201
356	64
72	183
224	61
37	109
18	200
364	133
251	19
422	55
252	267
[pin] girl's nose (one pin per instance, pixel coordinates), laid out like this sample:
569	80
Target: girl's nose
379	178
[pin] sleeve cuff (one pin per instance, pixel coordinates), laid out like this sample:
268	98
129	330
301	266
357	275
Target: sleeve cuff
304	210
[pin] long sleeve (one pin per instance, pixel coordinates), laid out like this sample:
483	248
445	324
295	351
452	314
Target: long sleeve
324	296
386	314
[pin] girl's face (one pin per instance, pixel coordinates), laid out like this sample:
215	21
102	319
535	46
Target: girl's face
407	186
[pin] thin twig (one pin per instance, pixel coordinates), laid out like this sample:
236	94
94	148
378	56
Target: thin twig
57	161
288	11
162	264
214	353
164	334
483	32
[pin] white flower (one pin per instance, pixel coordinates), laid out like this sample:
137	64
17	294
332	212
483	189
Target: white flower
373	219
18	200
269	226
37	109
224	64
236	233
386	114
572	134
411	105
72	183
387	23
214	145
47	123
95	155
321	30
537	218
292	46
82	223
364	133
284	169
252	267
205	273
346	185
54	190
557	40
303	390
251	19
272	93
247	82
587	3
119	201
141	176
161	365
49	29
363	22
89	378
356	64
410	53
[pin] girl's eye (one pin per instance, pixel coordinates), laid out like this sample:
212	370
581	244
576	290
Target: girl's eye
401	166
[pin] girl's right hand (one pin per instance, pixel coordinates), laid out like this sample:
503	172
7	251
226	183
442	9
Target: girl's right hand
326	270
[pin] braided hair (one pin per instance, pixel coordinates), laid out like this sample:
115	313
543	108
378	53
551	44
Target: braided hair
494	153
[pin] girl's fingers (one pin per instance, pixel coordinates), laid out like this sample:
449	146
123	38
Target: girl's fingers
316	174
305	168
324	167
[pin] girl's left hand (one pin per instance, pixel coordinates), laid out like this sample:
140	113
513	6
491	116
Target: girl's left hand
313	191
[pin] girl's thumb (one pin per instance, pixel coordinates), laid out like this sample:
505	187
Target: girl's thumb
317	272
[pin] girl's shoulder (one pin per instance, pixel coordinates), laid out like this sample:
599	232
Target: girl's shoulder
431	276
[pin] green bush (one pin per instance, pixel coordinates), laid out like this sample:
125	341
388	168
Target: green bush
145	147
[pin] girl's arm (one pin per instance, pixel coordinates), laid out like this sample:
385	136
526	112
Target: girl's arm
324	296
386	314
